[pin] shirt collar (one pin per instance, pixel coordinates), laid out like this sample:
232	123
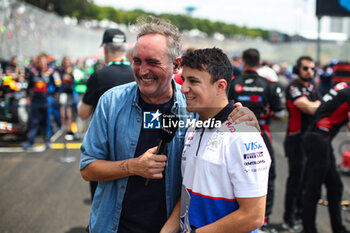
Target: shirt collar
175	103
250	72
223	114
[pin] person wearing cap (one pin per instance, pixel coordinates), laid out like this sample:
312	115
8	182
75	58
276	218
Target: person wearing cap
116	72
119	148
237	67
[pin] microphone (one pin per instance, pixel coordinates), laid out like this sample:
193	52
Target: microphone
166	134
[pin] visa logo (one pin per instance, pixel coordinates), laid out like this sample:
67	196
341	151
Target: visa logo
252	146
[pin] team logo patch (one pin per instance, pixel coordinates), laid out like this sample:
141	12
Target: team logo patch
151	120
230	127
214	142
252	146
253	155
294	92
238	88
340	86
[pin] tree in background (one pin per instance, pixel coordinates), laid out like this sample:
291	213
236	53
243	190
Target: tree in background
86	9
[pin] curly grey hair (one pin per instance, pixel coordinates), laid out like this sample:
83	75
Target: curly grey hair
154	25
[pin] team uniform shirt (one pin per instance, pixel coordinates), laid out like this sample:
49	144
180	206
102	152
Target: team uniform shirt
40	84
67	93
14	71
67	80
269	73
258	94
334	109
298	121
218	166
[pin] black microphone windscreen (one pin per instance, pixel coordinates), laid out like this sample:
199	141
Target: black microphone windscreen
169	127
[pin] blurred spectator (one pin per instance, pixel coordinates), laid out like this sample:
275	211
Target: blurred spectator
177	77
325	79
68	97
236	65
40	77
302	101
321	166
266	71
264	98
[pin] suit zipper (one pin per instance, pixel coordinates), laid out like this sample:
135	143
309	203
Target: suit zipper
200	140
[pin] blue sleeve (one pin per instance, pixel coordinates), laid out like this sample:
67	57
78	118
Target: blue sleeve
95	145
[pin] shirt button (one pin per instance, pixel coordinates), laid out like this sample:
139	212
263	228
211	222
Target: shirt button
114	228
118	207
133	143
123	187
138	120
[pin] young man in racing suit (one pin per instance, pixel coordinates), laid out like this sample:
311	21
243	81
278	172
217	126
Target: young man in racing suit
264	98
225	166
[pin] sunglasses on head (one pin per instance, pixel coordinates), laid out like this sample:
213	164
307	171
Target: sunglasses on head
305	68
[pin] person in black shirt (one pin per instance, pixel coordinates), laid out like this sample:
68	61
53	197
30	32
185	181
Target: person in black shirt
264	98
333	113
117	72
302	102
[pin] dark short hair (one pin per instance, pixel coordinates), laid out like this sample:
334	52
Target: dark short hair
212	60
251	57
301	58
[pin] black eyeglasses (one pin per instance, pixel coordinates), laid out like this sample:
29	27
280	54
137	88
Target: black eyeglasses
305	68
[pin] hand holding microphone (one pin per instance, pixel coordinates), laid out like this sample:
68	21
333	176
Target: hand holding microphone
166	134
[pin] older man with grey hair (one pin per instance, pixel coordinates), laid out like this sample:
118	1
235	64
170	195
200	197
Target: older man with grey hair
119	148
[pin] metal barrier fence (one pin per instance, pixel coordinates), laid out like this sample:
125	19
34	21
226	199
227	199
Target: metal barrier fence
26	30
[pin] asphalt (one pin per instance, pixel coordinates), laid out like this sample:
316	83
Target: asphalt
42	191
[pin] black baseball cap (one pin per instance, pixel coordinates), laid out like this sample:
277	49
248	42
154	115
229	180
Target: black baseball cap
113	35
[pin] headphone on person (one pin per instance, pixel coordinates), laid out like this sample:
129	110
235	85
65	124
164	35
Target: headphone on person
296	67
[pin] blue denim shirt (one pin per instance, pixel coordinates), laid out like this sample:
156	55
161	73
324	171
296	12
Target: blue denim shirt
113	135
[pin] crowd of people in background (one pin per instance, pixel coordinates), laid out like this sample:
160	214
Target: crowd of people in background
45	95
73	75
41	95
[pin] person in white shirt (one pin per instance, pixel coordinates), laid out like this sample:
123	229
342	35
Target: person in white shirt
224	166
